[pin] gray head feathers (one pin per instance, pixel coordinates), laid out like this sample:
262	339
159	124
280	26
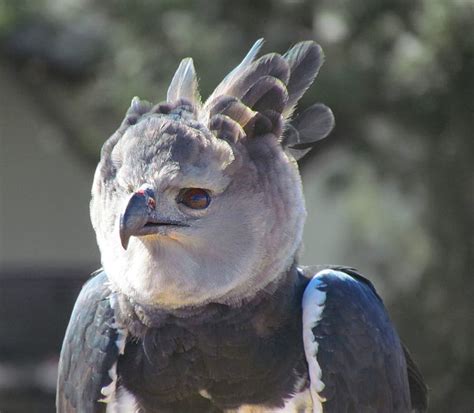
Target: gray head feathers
304	59
237	71
255	99
314	124
239	148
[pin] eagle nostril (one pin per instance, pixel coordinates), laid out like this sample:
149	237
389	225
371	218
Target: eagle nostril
147	192
151	203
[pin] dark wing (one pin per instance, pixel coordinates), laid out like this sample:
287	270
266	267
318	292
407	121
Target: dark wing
418	388
355	358
90	351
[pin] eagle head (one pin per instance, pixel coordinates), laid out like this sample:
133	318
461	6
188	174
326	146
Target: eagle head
196	202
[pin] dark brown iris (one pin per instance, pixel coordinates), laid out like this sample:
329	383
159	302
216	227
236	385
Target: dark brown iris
195	198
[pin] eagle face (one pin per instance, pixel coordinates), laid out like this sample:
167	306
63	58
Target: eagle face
184	218
202	202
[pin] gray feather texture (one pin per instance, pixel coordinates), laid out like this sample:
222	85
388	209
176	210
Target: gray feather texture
260	95
184	84
199	212
305	60
222	88
314	124
270	88
233	146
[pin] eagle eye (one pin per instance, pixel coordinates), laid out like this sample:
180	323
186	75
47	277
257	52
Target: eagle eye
194	198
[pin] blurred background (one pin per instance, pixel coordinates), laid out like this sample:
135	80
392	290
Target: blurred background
390	192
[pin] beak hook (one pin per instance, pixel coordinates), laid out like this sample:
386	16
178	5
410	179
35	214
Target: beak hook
139	207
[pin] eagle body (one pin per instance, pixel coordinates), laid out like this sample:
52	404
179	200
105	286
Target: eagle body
220	357
236	359
200	306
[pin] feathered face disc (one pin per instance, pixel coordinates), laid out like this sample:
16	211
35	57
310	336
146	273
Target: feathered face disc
195	202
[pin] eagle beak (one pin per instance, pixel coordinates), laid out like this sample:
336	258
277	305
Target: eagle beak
136	214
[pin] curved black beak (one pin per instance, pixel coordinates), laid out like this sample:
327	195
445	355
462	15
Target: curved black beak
137	213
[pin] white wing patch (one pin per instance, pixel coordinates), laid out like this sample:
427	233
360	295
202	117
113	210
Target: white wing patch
313	306
109	391
123	402
299	402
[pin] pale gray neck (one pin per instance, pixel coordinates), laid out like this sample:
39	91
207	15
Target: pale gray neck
276	297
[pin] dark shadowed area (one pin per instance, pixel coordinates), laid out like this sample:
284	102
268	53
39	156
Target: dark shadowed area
390	192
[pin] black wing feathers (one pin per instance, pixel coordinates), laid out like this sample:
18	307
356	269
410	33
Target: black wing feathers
418	388
88	351
365	367
359	352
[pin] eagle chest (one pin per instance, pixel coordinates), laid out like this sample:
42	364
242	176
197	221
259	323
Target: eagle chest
235	358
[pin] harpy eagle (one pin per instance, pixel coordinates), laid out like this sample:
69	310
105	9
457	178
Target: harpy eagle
200	306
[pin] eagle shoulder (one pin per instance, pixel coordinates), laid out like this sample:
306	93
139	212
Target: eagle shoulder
92	344
355	359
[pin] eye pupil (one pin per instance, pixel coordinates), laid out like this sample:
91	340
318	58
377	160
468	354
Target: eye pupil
195	198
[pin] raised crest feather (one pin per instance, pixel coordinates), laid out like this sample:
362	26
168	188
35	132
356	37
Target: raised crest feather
266	93
233	108
305	60
312	125
184	84
237	71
